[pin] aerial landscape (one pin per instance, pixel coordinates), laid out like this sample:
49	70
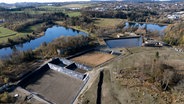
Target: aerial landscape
92	52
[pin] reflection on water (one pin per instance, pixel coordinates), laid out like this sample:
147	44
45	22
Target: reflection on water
124	42
147	26
50	34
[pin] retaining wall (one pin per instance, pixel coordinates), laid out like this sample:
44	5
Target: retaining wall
66	71
39	72
110	52
33	76
82	86
80	66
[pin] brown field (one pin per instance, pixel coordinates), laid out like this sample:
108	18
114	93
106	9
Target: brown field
57	87
93	58
121	84
108	22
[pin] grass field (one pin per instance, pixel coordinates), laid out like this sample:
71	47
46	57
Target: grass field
52	8
73	14
4	32
76	6
93	58
66	6
4	40
61	9
104	22
32	28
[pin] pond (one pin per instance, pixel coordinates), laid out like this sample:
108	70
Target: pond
147	26
126	42
50	34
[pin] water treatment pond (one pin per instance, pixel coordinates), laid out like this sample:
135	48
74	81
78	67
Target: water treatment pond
127	42
50	34
147	26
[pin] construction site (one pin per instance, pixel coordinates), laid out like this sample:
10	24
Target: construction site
60	79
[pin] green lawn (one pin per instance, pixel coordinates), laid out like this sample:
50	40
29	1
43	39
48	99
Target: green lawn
4	32
73	14
13	37
32	28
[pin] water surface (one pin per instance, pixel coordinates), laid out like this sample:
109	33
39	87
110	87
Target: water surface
128	42
50	34
147	26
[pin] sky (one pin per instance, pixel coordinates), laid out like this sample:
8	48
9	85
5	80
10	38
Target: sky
14	1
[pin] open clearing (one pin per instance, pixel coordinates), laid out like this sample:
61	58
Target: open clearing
104	22
13	37
4	32
73	14
56	87
93	58
32	28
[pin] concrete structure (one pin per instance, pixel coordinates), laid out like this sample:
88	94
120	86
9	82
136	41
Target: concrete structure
66	71
126	42
66	63
56	81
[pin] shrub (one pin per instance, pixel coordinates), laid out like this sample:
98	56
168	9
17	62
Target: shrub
164	74
157	55
174	34
66	45
5	98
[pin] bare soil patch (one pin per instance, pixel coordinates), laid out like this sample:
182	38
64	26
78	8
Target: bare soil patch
93	58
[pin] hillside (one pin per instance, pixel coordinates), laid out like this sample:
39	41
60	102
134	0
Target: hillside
174	34
147	76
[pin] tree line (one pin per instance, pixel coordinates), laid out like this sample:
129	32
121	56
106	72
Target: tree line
138	16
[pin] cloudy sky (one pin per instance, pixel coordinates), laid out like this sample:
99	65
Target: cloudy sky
14	1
